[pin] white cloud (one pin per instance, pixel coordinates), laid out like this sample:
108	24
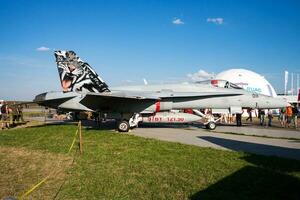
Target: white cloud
218	20
42	48
177	21
201	75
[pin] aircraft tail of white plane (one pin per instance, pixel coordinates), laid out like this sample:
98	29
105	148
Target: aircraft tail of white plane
77	75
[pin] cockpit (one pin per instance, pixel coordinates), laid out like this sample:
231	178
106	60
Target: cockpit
220	83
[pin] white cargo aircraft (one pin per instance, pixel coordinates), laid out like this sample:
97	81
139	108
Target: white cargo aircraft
84	90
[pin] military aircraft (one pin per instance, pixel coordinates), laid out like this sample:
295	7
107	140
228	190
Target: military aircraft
84	90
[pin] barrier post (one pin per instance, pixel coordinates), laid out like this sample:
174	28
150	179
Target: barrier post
80	138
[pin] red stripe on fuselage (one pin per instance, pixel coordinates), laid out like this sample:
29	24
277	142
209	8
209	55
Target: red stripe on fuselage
157	108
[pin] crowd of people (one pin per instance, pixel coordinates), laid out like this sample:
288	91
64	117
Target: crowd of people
10	114
287	116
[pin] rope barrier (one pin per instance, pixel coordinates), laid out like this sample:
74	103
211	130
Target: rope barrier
33	188
72	144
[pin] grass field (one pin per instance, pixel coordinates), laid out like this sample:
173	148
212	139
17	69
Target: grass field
121	166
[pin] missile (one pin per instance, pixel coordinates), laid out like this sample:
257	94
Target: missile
169	117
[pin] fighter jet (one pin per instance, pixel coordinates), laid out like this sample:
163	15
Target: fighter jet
84	90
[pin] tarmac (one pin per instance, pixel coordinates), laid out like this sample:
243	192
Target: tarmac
258	140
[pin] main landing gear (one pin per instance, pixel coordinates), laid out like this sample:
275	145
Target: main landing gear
125	124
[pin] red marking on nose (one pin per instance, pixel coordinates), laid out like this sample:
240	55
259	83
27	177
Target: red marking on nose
214	82
157	108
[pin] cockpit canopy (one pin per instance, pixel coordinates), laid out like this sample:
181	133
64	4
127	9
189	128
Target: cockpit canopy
220	83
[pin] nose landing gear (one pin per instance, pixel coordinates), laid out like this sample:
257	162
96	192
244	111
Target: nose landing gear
209	120
211	125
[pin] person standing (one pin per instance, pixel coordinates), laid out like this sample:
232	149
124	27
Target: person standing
289	115
230	118
14	114
20	112
270	117
238	119
10	114
224	118
249	111
4	112
262	117
295	116
282	117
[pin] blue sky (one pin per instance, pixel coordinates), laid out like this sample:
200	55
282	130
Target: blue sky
162	41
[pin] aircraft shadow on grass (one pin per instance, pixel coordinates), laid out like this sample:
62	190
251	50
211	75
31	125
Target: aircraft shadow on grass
268	177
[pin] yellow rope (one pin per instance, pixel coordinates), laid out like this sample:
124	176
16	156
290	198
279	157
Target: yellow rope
34	187
42	181
73	141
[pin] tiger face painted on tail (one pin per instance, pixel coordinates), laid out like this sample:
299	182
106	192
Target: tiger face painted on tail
77	75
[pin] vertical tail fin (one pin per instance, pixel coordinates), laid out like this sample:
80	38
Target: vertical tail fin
77	75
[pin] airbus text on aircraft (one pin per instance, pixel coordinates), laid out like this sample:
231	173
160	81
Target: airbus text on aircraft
84	90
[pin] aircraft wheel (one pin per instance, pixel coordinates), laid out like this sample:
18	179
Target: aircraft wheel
123	126
211	125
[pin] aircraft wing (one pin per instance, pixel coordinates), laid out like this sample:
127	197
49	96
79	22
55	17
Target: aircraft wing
118	101
138	101
126	95
123	95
